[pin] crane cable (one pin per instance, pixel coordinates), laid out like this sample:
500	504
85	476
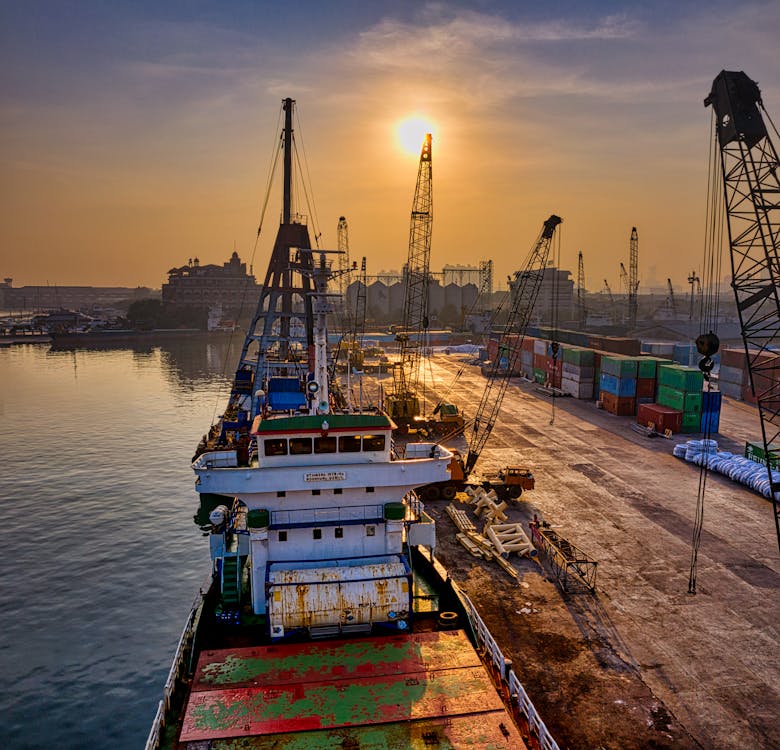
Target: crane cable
708	317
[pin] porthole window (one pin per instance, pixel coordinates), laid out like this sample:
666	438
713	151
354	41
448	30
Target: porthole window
282	536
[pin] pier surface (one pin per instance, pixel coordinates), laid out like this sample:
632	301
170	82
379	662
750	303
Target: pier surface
641	663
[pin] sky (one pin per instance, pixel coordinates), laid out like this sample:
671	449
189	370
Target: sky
137	135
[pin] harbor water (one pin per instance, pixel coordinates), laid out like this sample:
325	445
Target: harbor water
101	558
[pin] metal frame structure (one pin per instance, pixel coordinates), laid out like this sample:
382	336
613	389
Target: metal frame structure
524	291
569	563
403	403
581	312
633	277
751	190
281	333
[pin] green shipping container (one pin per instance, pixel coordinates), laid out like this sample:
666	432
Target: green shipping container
619	366
539	376
755	452
681	378
579	356
685	402
691	422
648	366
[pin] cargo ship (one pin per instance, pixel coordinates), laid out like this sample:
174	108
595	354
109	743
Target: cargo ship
326	620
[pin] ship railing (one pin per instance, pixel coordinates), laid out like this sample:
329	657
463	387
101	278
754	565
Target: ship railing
517	692
178	664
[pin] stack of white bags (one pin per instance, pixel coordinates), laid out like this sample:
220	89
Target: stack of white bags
738	468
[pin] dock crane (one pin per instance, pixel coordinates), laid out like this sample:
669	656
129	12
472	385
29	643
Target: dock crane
695	283
672	303
403	404
751	191
526	285
633	277
581	312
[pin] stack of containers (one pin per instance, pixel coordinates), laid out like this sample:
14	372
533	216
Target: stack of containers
554	366
733	375
710	411
527	356
618	384
685	354
645	380
763	379
659	348
577	372
681	388
540	360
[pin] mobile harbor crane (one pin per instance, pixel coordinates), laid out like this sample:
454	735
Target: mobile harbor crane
511	481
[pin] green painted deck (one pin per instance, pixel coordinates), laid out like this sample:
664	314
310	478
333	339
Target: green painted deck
407	691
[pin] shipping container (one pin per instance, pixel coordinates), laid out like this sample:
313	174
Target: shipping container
710	422
680	377
582	389
731	390
540	347
540	361
621	406
528	344
663	417
734	375
711	401
691	422
621	367
685	354
689	401
579	356
539	375
663	349
623	387
645	388
576	371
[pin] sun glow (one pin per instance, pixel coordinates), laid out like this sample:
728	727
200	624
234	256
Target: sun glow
411	132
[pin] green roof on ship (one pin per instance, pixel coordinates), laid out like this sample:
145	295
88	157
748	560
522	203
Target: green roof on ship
314	422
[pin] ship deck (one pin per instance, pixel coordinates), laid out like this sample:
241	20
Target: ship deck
408	691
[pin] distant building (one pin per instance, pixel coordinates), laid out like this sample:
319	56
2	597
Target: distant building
42	298
210	286
556	295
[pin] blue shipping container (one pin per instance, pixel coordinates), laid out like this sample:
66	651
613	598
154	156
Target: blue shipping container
711	401
624	387
710	421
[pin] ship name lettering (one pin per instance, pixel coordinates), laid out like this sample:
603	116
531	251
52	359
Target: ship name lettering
325	476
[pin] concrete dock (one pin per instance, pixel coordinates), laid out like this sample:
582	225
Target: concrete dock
641	663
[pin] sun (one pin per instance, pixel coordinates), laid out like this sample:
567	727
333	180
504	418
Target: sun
411	132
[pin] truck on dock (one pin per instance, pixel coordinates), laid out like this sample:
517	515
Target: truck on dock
508	483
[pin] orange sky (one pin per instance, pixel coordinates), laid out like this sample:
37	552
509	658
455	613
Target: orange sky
132	143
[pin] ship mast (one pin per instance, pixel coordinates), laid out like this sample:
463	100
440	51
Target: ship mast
280	339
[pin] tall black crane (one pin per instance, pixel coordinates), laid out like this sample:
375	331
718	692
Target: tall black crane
526	285
751	190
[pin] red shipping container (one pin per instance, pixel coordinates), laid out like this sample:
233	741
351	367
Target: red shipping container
554	373
528	343
540	361
622	406
492	349
663	417
645	388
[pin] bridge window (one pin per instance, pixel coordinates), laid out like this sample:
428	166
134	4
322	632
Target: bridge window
300	446
282	536
316	533
374	443
349	444
325	445
276	447
338	532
